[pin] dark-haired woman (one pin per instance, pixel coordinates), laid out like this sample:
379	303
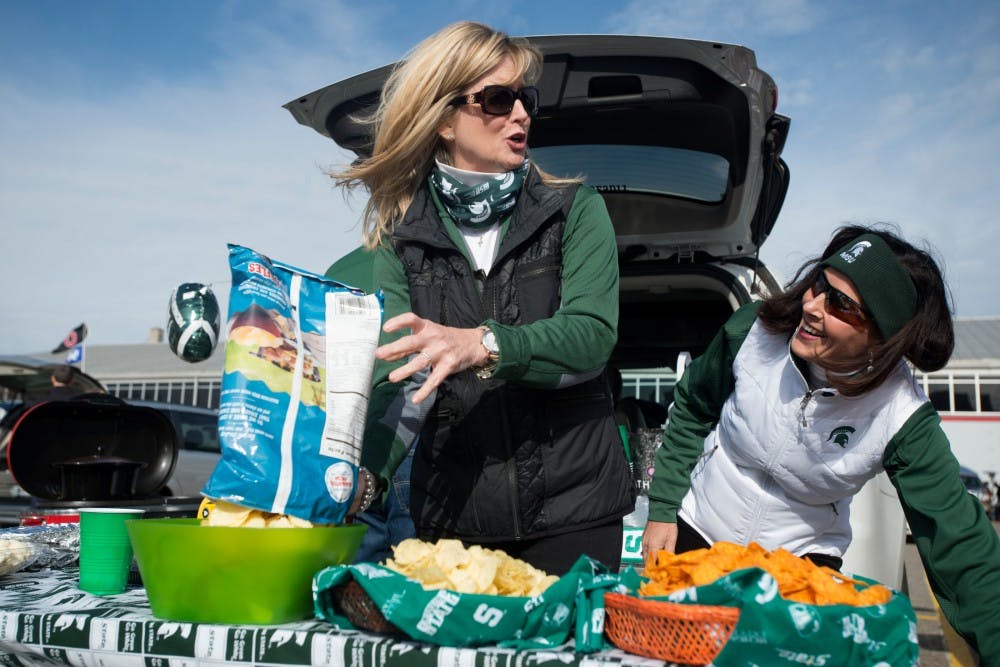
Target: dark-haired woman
800	400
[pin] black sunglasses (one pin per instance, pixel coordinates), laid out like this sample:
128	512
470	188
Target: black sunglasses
499	100
838	304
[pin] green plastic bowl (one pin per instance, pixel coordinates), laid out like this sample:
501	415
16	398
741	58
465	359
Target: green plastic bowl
215	574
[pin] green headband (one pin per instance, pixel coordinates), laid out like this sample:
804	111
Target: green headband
883	284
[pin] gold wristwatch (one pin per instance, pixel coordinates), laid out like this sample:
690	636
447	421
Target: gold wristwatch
489	341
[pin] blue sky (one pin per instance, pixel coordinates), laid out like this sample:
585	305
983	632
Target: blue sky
138	138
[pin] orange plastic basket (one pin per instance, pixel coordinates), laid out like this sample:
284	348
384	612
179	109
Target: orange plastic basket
687	633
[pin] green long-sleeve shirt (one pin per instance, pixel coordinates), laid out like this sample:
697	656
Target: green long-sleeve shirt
356	269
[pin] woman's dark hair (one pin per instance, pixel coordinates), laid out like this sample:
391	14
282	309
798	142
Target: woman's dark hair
927	340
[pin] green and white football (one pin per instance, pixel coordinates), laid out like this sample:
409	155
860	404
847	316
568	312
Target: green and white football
193	322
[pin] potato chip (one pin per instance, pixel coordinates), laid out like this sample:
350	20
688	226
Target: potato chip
222	513
227	514
482	568
287	521
450	555
448	564
799	579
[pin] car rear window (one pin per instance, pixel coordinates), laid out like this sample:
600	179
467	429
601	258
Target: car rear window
972	484
674	172
196	431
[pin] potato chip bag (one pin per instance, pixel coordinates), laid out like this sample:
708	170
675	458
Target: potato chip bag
299	361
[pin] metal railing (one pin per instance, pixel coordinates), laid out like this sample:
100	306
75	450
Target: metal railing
184	391
959	390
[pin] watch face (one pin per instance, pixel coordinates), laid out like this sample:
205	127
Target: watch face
490	342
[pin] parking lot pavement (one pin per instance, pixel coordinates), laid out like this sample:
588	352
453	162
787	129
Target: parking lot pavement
940	645
933	648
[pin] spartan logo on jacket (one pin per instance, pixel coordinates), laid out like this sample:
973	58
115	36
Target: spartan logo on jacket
841	435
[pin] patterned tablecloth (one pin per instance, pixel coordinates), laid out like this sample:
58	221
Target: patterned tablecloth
45	619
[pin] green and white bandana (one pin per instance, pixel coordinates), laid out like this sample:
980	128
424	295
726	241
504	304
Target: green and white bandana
479	206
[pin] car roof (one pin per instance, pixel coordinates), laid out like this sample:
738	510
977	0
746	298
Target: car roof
621	110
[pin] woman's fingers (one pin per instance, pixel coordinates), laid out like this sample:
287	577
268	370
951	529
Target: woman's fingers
403	321
658	536
440	366
414	365
405	346
445	350
426	389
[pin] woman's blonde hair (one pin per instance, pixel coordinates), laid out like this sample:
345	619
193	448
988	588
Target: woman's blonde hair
415	103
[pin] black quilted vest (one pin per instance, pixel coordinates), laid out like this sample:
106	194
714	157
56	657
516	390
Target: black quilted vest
497	460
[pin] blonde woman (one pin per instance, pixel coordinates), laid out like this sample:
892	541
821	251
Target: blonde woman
501	305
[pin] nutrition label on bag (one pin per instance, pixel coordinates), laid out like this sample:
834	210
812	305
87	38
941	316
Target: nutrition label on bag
352	330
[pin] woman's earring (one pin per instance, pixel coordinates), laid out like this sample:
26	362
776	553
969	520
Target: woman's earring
450	137
871	363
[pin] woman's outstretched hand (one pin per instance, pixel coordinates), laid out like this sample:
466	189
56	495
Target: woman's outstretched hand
444	350
658	536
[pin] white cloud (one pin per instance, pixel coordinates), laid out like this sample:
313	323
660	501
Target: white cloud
795	94
717	19
785	17
903	60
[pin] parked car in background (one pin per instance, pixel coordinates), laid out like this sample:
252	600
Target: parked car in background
198	445
23	379
974	484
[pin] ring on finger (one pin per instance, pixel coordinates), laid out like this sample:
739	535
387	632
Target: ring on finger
426	356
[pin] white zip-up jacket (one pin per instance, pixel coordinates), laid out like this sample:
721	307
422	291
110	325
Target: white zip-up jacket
783	462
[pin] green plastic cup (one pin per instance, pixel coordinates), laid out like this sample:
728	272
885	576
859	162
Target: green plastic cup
105	549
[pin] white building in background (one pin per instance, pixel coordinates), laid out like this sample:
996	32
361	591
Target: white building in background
967	393
150	371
